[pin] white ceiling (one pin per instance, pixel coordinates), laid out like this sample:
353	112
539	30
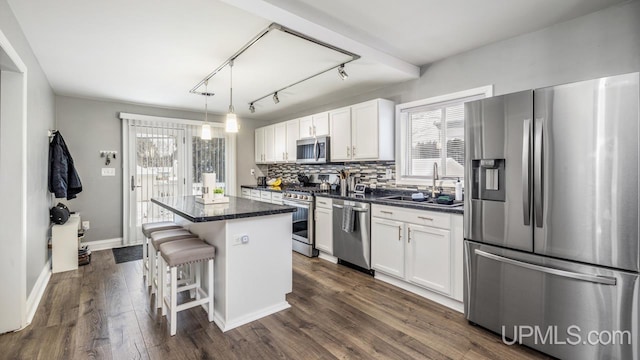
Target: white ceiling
154	51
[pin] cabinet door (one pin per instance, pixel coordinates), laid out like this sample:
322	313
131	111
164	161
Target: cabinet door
364	131
340	123
320	124
324	230
429	258
306	127
280	141
259	145
293	134
387	247
269	144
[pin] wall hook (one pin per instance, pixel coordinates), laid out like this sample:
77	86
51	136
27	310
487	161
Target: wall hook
108	155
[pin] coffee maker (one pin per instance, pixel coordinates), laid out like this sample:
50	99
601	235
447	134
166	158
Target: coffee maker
262	181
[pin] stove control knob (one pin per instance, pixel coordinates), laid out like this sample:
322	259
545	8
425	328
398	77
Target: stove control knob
303	197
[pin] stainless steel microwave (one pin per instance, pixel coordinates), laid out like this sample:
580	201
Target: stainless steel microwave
313	150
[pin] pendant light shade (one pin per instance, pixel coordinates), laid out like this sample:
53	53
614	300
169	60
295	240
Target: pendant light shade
206	132
231	125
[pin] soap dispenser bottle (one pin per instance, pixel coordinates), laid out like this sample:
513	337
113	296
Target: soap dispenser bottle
458	190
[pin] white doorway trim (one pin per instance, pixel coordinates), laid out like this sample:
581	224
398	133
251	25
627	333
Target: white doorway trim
13	177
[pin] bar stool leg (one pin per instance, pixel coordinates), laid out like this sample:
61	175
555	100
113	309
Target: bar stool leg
210	289
145	260
173	298
161	280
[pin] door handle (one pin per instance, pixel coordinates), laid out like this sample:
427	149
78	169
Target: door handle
353	150
526	163
338	206
399	233
133	184
425	218
606	280
348	151
537	171
409	235
315	150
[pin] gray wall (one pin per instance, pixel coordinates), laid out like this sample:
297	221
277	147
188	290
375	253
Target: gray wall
89	126
599	44
40	118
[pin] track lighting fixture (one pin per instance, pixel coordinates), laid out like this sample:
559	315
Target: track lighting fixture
343	74
275	98
252	108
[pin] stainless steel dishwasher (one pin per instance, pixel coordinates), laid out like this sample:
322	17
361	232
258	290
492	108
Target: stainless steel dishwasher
353	244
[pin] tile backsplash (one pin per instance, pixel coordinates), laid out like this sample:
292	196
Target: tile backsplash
368	172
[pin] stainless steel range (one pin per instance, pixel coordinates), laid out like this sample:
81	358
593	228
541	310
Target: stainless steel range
302	198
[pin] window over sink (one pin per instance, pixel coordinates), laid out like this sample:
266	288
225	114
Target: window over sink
431	131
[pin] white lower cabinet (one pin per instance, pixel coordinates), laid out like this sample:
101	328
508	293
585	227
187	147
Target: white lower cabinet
324	225
429	257
418	248
387	249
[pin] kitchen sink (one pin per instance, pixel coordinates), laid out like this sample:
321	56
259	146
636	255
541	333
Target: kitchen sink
430	202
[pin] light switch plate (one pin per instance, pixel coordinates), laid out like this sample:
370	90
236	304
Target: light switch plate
108	172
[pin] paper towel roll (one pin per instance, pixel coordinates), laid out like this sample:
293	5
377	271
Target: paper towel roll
209	183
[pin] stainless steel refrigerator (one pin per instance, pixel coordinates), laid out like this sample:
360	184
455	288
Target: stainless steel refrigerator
551	217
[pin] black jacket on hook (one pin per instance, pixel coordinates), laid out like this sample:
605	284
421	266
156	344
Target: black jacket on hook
63	177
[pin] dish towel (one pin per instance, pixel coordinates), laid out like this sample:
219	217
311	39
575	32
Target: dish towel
348	219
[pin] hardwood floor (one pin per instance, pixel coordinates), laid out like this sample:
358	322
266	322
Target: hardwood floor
102	311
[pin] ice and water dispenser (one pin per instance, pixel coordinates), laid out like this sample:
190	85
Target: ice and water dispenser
488	179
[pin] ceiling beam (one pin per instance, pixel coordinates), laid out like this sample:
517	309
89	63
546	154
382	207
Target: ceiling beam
281	16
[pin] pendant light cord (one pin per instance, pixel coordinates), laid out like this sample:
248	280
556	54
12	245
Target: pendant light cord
206	98
231	110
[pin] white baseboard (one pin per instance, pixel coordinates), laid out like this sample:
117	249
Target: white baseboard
103	244
38	290
228	325
433	296
327	257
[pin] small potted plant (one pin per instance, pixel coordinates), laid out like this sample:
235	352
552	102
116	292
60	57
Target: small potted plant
218	193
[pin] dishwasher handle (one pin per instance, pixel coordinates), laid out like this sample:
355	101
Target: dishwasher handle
354	209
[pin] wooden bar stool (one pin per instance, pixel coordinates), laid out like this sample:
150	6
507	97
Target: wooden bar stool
155	270
147	230
183	252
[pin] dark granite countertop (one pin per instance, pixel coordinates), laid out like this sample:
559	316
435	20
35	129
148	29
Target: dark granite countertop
373	198
188	208
378	198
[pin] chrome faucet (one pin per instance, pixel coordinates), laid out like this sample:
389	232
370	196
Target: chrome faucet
435	177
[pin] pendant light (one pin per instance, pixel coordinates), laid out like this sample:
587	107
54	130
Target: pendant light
232	120
206	128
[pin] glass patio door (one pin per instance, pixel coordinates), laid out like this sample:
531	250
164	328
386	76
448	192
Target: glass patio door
158	166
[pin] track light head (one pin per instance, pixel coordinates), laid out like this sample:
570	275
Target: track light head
343	74
275	98
252	108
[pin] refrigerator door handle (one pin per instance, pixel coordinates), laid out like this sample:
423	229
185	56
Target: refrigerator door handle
526	165
537	171
605	280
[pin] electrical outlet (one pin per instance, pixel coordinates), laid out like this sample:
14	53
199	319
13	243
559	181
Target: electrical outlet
253	172
86	225
240	239
108	172
388	174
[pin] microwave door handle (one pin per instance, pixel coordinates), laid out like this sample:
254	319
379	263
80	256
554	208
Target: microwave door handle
316	153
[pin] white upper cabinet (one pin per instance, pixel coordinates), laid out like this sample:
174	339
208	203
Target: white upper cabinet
340	123
269	143
259	145
293	134
363	131
280	142
306	127
320	124
314	125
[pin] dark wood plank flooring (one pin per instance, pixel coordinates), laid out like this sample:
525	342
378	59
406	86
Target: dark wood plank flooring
102	311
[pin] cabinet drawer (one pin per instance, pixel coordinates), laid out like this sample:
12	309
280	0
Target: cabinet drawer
265	195
246	192
276	196
420	217
255	194
323	202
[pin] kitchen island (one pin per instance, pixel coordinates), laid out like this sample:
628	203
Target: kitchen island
253	263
